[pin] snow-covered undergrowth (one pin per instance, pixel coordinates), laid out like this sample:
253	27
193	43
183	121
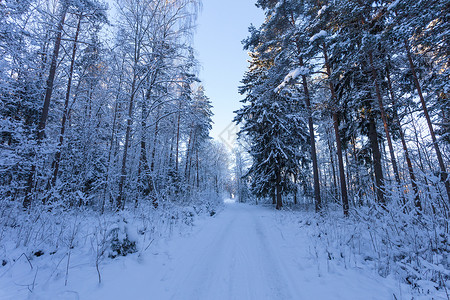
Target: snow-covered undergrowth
41	246
414	249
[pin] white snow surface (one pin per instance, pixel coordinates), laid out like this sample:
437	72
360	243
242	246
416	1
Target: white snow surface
243	252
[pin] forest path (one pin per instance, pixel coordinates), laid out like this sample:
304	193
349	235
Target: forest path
244	252
237	256
254	252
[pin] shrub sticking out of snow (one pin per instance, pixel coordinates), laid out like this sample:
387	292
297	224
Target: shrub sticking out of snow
122	243
412	247
40	240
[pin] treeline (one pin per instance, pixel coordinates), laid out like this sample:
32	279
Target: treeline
349	101
102	107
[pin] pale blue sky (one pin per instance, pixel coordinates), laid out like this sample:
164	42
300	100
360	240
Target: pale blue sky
222	25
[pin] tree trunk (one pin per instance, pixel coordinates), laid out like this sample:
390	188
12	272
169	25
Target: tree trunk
444	174
143	168
419	152
155	139
338	138
151	182
278	190
196	165
48	94
376	157
216	185
112	138
349	178
110	150
357	184
384	119
148	179
295	191
51	76
333	169
188	155
412	176
318	201
123	174
57	160
178	140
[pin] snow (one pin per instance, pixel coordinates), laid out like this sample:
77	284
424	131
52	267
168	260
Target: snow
318	35
292	75
393	5
229	201
243	252
322	10
278	5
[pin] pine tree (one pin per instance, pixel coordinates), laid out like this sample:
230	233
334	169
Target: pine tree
273	124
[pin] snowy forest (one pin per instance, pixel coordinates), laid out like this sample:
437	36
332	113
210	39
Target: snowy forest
106	156
103	116
347	103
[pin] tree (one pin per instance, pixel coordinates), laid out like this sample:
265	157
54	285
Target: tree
149	26
271	120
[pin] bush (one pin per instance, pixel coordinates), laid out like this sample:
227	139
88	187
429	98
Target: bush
121	245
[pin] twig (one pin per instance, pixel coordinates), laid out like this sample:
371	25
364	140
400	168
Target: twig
149	245
98	271
23	254
34	281
445	287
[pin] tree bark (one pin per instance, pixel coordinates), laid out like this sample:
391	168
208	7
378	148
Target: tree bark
143	168
155	140
444	174
48	94
295	191
384	119
189	154
123	173
197	166
333	168
147	180
419	152
278	190
178	140
318	201
349	184
51	76
357	184
376	158
338	138
412	176
57	160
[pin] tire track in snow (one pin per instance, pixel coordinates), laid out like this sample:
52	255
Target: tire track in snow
232	259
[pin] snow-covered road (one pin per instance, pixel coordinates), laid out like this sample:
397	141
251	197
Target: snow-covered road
238	256
244	252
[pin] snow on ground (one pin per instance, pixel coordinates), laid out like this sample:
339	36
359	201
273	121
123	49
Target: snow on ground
244	252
